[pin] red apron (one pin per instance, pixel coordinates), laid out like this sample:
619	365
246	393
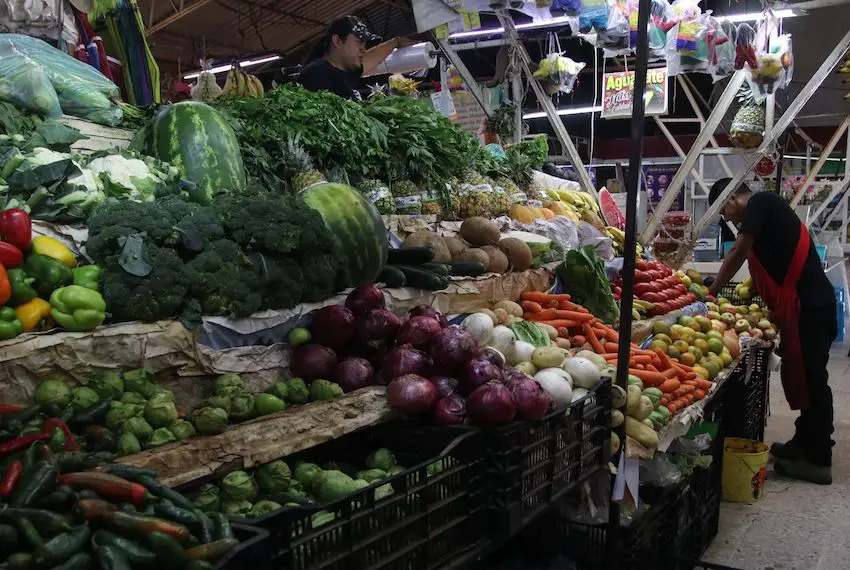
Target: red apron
785	312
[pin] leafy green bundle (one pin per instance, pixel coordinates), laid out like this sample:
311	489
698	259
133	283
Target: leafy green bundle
424	145
582	275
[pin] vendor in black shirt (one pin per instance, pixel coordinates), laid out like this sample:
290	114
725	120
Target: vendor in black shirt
340	58
788	274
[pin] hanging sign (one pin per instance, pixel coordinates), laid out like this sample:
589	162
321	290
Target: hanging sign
618	88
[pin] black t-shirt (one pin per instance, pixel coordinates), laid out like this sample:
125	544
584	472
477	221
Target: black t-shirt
777	229
320	75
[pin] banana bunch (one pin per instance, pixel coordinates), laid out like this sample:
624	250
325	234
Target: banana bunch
581	203
619	238
845	70
241	84
644	309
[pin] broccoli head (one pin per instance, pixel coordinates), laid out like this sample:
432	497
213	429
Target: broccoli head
196	224
281	280
321	276
116	219
224	280
158	296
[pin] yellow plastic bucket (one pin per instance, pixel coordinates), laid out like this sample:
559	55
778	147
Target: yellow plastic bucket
744	467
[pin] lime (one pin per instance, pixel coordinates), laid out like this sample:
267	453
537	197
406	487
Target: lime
299	336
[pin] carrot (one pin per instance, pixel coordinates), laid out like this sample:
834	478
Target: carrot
610	346
648	378
531	307
690	398
700	394
542	315
670	373
570	306
578	341
541	297
557	323
612	335
683	367
690	375
592	338
642	359
665	360
669	385
607	355
703	384
664	401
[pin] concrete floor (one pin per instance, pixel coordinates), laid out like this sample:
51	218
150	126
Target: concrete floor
797	525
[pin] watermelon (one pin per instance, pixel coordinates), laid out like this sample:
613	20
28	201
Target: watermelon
610	210
197	140
356	225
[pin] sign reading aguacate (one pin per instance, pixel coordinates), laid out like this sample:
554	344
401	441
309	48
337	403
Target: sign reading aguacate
618	89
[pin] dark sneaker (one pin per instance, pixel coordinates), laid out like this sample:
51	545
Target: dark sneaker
804	471
790	451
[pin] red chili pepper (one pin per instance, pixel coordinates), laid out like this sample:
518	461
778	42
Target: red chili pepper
70	443
9	409
21	443
10	256
106	485
10	479
45	452
16	228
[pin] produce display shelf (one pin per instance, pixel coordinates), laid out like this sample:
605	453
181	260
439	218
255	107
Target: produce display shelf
249	554
98	137
252	443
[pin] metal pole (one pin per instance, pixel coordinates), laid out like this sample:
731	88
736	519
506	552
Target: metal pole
672	140
711	124
684	83
546	102
467	77
784	122
840	188
629	243
827	150
516	82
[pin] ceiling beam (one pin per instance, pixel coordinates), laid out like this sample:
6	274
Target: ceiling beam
214	43
274	10
175	16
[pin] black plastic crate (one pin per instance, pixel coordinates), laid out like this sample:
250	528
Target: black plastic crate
427	519
532	464
747	399
250	553
728	291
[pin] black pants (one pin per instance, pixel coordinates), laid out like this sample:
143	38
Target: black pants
818	328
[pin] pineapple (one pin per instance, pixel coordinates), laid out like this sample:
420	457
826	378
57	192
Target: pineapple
472	176
297	160
408	197
379	194
513	191
500	200
747	129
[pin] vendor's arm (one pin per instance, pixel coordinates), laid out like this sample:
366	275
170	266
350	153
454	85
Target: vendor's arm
733	262
376	56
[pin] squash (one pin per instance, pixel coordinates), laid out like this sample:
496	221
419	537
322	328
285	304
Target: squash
547	213
615	443
654	394
648	423
632	400
617	418
644	435
643	408
618	397
522	214
635	381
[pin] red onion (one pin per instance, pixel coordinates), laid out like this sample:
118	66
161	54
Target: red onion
363	299
355	373
333	326
478	373
405	360
418	331
374	351
378	324
491	405
511	376
531	400
453	346
411	394
492	355
429	311
445	386
450	411
313	361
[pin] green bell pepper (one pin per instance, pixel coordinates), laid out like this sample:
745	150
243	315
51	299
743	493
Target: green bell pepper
22	289
10	324
77	308
50	274
86	276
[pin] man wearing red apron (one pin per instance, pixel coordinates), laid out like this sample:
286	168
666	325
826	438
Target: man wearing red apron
788	274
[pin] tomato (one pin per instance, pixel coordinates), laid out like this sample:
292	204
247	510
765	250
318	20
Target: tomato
691	297
651	297
643	288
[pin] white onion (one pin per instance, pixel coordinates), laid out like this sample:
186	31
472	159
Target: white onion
521	353
503	339
558	384
480	326
585	374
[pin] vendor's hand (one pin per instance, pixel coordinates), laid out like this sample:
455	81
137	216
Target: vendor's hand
405	42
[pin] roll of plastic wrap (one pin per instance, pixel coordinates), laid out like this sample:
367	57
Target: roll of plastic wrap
407	59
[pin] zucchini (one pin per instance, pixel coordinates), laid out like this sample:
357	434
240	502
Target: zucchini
392	276
468	268
423	279
223	530
176	514
19	561
443	269
410	255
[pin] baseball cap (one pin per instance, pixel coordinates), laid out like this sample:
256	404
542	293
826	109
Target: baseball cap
346	25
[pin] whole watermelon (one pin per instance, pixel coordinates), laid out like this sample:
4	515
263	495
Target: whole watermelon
356	225
196	139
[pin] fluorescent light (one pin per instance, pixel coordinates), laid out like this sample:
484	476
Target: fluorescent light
568	111
754	16
527	26
246	63
798	157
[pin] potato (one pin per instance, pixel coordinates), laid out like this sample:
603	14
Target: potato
551	331
548	357
617	418
562	342
509	306
490	314
501	316
615	443
527	368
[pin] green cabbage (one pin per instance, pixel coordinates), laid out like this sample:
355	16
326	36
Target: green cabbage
207	499
133	398
279	389
333	485
372	475
53	392
228	381
138	427
383	492
182	429
160	413
141	381
297	391
264	507
83	397
306	474
209	421
324	390
242	407
382	459
108	384
222	402
128	444
159	437
237	508
238	486
273	477
119	413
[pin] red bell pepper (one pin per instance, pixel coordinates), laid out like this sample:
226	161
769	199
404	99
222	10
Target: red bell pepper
16	228
10	256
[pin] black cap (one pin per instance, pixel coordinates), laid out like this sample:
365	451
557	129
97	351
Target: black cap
346	25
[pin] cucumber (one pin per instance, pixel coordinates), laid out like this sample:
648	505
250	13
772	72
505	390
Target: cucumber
423	279
392	276
410	255
443	269
468	268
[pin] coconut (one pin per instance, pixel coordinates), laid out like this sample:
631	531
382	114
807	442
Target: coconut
517	252
498	260
479	231
474	254
456	245
432	240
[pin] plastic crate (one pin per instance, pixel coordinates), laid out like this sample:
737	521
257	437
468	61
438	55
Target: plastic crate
531	464
728	291
747	400
250	553
427	519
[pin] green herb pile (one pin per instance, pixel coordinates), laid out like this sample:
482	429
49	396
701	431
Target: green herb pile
336	133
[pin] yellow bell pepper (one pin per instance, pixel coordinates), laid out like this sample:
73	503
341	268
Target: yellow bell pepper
52	247
32	312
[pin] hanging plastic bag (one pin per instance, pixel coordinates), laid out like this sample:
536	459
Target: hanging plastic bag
558	73
774	66
615	37
720	39
26	85
660	22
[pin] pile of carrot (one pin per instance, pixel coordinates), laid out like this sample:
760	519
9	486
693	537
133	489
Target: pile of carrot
679	383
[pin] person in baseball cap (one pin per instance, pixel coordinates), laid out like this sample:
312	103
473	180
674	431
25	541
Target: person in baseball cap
341	57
